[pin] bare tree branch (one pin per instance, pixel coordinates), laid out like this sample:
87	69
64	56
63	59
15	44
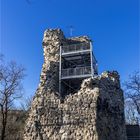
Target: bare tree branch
11	76
132	90
26	103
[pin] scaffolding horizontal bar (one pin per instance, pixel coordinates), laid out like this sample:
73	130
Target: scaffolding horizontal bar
76	76
76	52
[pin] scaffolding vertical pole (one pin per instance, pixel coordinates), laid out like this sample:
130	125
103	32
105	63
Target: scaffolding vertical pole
91	57
60	63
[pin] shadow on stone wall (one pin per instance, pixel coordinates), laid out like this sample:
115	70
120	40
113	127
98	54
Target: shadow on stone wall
110	120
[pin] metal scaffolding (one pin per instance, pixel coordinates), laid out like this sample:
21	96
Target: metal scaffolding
77	62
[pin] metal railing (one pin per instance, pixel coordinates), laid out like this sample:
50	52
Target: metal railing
76	71
133	138
75	47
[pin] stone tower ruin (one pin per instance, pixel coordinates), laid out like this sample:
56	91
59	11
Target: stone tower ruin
86	107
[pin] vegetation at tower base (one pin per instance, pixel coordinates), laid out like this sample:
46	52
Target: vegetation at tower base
15	125
94	112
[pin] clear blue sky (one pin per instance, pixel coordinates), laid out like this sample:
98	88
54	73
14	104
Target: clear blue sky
112	24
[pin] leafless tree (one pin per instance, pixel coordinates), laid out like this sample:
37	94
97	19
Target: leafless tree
11	76
26	103
131	114
132	91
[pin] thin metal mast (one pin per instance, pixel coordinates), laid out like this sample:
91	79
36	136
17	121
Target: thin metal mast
60	69
91	57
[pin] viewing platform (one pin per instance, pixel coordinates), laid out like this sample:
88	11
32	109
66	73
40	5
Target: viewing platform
77	62
75	49
78	72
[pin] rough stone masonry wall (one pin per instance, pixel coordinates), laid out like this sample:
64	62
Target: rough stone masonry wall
95	112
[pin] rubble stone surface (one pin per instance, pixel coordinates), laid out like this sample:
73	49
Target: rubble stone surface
95	112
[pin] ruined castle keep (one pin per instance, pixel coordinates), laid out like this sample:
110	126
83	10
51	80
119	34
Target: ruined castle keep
73	102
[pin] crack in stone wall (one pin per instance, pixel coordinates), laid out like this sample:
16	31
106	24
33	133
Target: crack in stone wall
95	112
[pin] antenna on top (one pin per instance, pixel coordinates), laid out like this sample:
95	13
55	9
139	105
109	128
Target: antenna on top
71	29
30	1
